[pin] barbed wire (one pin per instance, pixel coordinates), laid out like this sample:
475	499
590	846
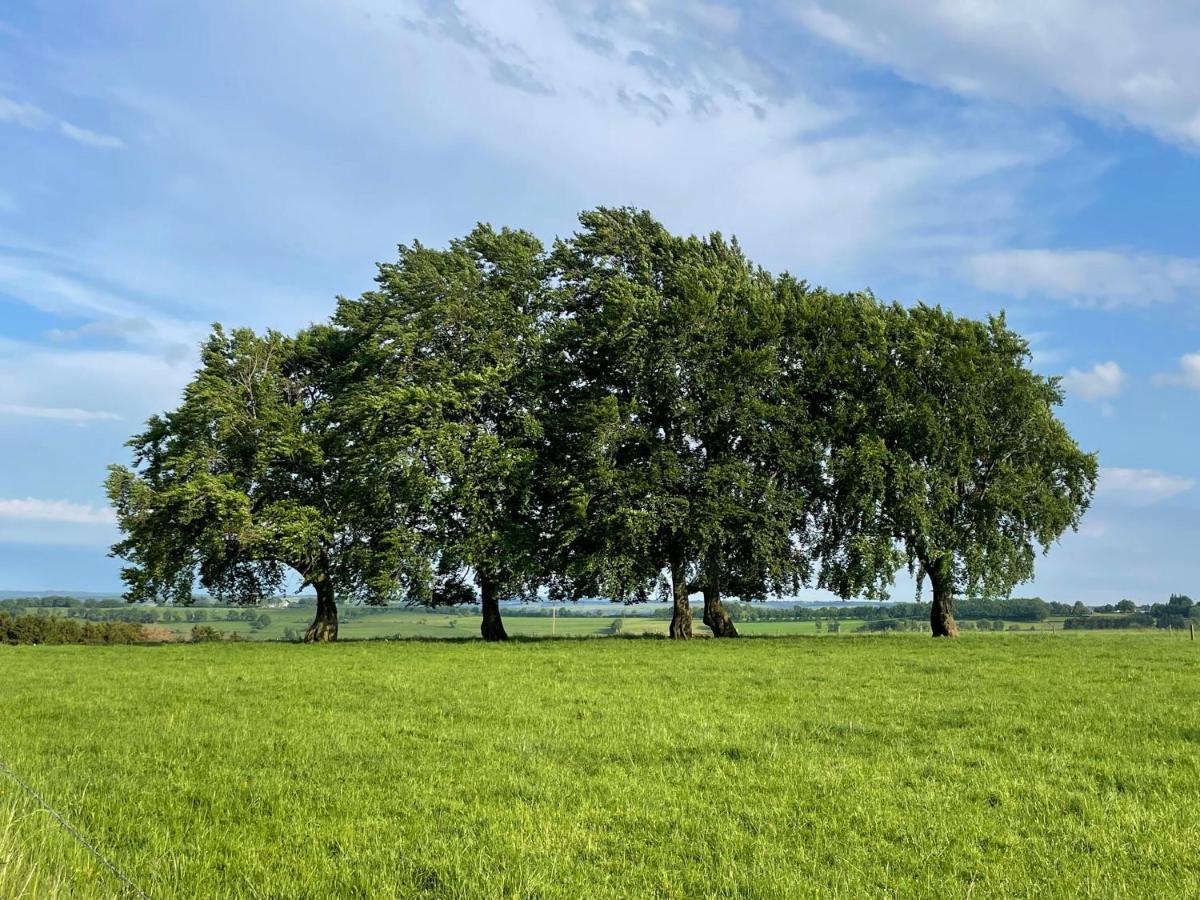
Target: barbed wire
73	831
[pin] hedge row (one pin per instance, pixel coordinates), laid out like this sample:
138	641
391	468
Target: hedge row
61	630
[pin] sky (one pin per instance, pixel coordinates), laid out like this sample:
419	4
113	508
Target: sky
167	166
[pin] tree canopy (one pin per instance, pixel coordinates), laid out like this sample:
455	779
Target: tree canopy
445	368
675	448
254	475
959	460
630	413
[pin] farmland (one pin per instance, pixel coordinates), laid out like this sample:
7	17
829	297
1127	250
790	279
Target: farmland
1056	764
593	619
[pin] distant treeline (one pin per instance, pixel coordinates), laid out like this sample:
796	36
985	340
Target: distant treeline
1017	609
1093	623
35	629
20	604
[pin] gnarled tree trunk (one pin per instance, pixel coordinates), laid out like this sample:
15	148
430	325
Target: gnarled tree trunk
941	613
716	617
681	612
492	628
324	626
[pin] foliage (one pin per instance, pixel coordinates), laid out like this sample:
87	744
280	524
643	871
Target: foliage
1177	612
957	457
631	414
61	630
251	476
445	377
669	444
205	633
1093	623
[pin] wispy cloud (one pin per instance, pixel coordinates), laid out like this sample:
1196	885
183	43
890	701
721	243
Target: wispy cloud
90	138
1086	277
64	511
1141	65
73	384
33	117
1141	487
38	281
657	100
62	413
1188	374
26	115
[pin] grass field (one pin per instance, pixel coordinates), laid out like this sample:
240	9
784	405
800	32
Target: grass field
1048	764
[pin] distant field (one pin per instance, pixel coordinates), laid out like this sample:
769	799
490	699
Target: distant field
363	623
1049	765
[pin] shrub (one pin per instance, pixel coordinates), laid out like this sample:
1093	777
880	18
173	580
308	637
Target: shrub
880	625
38	629
1136	620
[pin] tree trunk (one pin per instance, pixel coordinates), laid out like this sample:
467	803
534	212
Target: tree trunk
715	615
941	613
492	628
681	613
325	625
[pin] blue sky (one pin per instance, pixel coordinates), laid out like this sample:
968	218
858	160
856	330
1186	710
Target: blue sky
165	166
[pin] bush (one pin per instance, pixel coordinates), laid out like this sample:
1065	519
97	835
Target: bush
61	630
880	625
1093	623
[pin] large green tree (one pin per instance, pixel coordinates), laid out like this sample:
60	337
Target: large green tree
667	445
253	475
445	351
955	459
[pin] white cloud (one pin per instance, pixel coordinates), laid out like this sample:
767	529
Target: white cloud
1187	376
1103	380
648	109
1140	487
125	384
64	413
1127	62
64	511
25	115
1086	277
33	117
90	138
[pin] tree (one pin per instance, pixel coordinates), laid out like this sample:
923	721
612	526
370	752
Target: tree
252	475
445	349
661	387
958	459
1126	606
1175	613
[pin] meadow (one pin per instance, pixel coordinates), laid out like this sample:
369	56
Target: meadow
1042	764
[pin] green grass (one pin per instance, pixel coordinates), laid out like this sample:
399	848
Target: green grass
1047	764
41	861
